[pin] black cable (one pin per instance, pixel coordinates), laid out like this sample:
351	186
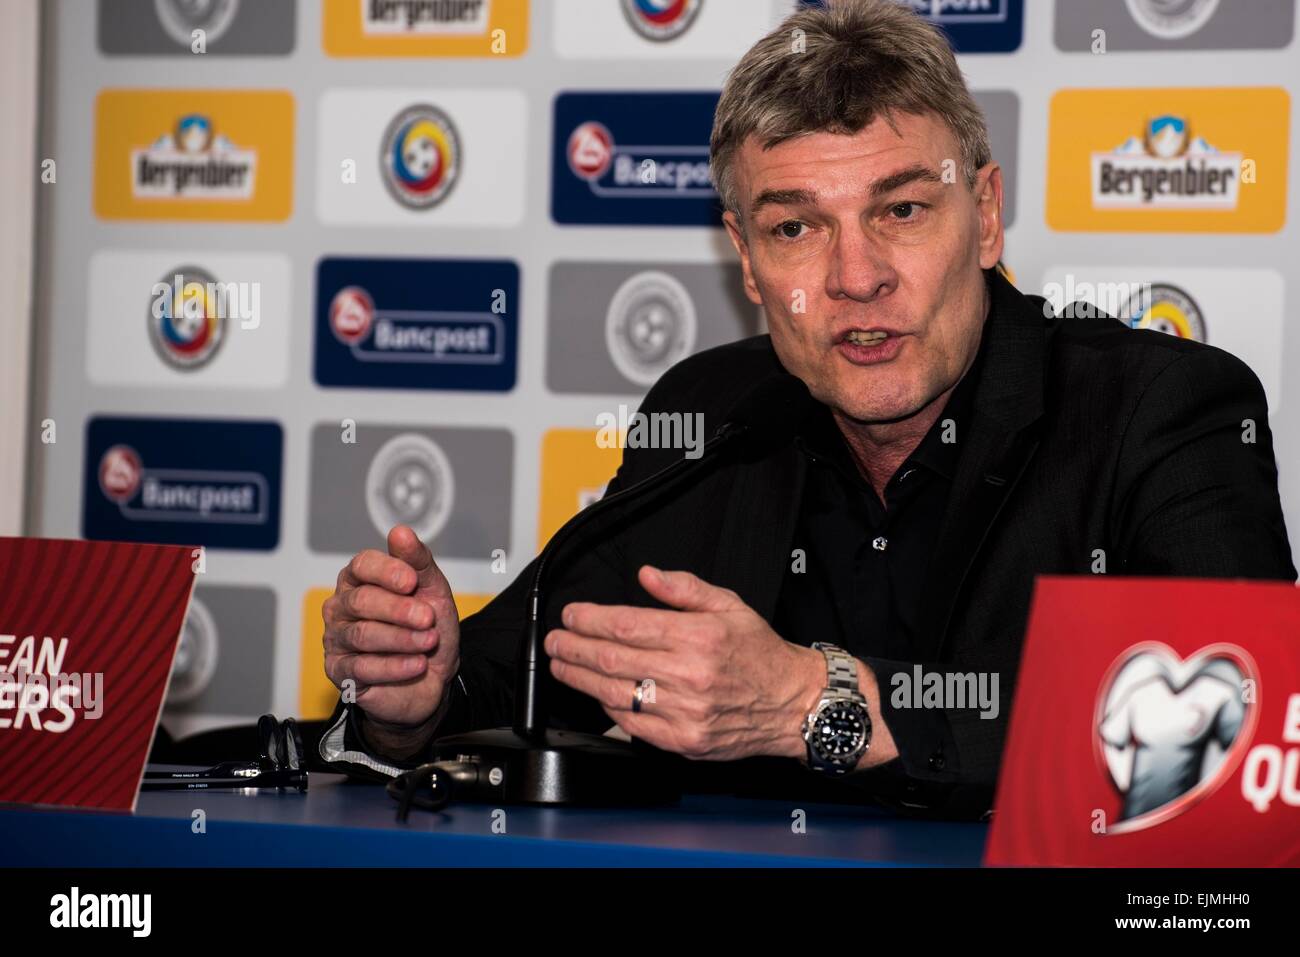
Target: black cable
406	788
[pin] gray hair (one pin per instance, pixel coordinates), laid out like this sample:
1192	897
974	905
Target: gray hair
836	69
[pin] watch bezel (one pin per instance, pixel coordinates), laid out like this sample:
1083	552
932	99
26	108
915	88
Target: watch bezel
817	757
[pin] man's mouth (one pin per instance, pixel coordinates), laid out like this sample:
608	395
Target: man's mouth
864	347
859	338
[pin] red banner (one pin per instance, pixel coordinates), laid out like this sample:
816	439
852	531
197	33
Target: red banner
88	631
1156	722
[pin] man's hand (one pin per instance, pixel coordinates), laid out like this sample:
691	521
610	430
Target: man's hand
392	630
724	684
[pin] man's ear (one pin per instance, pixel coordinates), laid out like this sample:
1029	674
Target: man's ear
742	250
988	202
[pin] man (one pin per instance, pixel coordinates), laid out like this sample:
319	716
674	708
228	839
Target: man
963	440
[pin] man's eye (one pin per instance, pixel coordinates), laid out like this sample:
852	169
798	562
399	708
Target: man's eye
905	211
790	229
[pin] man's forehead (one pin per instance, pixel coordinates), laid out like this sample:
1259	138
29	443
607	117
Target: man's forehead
814	167
909	141
900	138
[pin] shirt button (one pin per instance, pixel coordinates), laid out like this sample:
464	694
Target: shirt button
906	474
880	543
937	761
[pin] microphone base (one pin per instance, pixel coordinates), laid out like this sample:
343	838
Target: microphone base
559	768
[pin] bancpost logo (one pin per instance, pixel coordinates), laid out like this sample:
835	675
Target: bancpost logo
425	27
973	26
681	172
633	158
193	155
962	11
184	482
1199	160
417	323
184	495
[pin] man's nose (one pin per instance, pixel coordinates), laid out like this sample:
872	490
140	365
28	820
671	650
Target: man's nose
859	268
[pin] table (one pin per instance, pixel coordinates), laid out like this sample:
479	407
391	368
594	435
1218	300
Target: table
339	822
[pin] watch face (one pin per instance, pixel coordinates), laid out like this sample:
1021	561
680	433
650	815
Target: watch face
839	732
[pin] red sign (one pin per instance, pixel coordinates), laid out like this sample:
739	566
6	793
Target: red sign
1156	722
88	631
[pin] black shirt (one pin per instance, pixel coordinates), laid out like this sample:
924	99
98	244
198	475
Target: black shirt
865	581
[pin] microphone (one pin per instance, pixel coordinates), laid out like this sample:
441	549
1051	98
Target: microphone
533	764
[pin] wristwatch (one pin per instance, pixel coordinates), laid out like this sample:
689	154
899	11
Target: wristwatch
838	730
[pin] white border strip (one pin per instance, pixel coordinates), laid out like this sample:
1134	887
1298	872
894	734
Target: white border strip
20	174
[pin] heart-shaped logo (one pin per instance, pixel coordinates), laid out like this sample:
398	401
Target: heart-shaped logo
1169	731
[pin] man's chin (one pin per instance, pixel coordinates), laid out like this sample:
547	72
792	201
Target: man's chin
873	408
875	414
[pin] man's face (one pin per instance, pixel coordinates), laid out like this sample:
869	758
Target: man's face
867	262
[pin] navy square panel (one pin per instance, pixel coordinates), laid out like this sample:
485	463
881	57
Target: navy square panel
417	324
182	482
973	26
633	159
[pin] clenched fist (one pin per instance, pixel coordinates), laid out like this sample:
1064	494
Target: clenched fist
392	630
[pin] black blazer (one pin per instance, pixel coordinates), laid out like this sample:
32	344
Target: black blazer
1087	435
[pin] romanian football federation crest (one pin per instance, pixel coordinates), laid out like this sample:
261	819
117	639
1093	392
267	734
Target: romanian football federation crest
187	318
661	19
420	156
1166	308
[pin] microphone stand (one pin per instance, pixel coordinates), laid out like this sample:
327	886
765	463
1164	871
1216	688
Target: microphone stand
542	765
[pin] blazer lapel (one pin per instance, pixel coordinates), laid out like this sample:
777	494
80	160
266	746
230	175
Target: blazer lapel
998	446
